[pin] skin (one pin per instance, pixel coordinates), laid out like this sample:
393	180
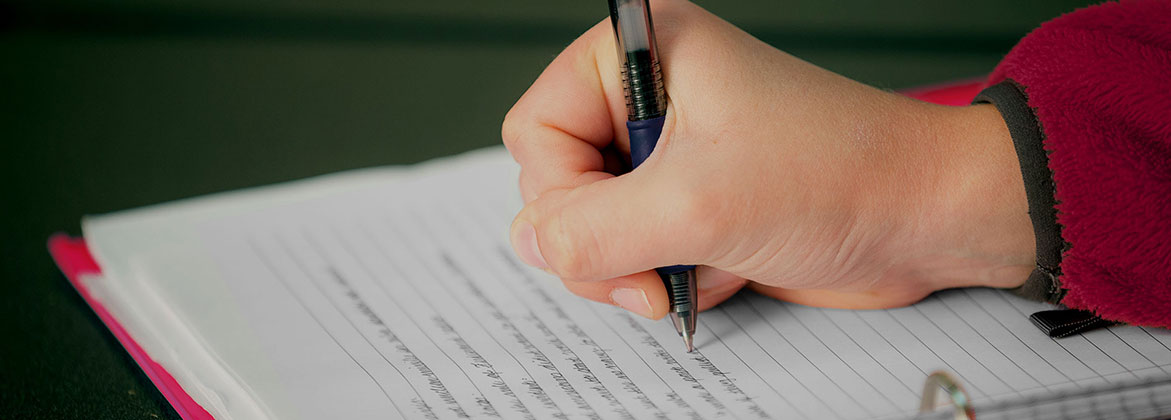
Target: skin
771	173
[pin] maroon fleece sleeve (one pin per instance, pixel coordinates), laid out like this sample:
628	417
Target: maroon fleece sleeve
1098	81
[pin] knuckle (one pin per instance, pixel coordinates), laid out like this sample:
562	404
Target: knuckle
509	131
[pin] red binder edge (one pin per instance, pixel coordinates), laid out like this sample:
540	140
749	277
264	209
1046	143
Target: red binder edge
956	93
73	258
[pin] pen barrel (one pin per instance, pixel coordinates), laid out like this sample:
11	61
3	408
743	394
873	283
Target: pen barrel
643	86
646	109
638	56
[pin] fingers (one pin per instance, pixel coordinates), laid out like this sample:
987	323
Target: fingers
872	299
556	130
716	285
643	293
530	188
616	227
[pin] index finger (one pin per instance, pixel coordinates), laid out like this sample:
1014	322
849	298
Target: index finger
558	127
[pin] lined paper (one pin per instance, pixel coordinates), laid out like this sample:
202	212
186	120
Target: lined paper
395	294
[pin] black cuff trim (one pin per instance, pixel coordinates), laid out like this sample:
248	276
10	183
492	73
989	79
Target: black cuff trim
1009	98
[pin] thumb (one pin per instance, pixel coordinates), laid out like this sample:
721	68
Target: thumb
613	227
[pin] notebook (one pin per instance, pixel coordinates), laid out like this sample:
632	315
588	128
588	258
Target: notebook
393	293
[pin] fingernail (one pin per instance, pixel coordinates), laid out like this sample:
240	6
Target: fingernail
524	242
633	300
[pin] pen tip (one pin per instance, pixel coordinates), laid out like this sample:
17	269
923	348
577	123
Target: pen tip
688	341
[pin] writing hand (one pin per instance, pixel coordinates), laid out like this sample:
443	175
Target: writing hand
784	177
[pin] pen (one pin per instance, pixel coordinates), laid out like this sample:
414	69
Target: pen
646	109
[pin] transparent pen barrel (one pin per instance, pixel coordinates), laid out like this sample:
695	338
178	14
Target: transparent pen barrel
638	55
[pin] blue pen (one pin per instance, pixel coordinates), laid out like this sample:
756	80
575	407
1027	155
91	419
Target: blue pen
646	109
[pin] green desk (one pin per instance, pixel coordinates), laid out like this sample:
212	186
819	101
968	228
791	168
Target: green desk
111	104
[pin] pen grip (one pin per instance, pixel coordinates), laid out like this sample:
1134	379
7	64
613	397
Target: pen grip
673	269
644	135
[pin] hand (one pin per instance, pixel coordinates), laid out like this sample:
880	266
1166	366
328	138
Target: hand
771	173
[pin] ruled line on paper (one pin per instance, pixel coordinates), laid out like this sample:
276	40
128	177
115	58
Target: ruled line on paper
984	341
840	390
428	371
403	300
837	361
440	321
1054	353
1015	335
662	353
423	407
952	340
869	354
513	269
755	371
508	266
529	381
847	363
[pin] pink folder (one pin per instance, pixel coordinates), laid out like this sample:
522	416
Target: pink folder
73	258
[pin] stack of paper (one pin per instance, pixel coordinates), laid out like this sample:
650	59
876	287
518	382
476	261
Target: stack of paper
393	293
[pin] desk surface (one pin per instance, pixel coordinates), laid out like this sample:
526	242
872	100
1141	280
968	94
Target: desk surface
113	104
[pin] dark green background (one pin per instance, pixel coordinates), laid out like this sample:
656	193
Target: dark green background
112	104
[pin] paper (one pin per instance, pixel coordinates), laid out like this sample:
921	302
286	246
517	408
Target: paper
395	294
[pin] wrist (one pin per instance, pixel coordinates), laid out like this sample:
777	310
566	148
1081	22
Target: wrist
975	220
961	199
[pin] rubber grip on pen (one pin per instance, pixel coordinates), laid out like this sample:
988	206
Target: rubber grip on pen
673	269
644	135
